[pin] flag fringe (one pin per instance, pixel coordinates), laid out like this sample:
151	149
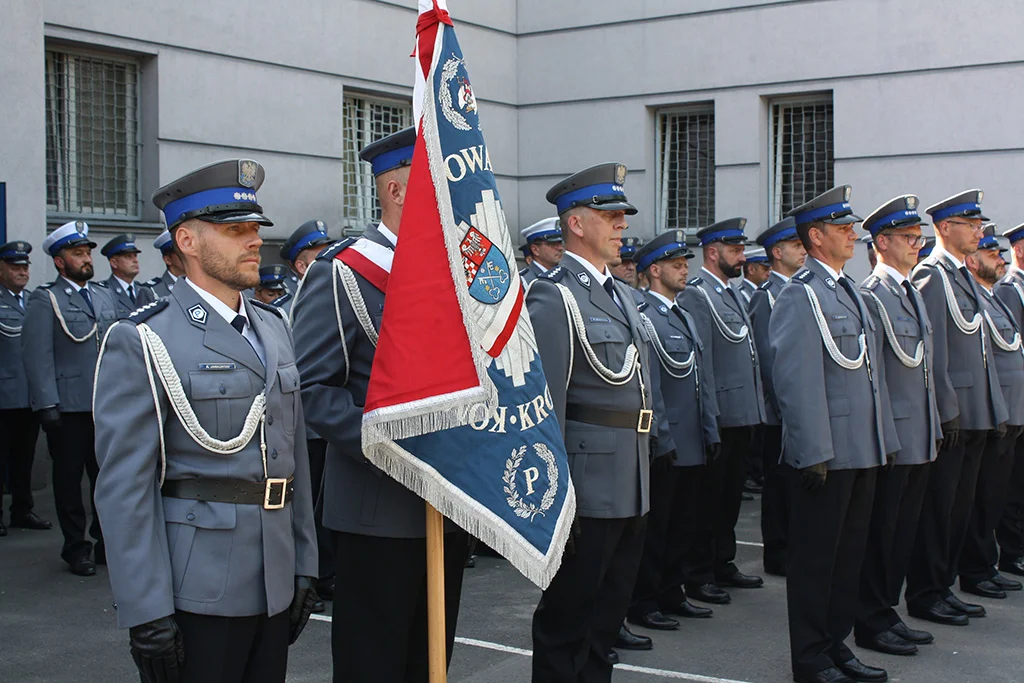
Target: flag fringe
425	416
474	518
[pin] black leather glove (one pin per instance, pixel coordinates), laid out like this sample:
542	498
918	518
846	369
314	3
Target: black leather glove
813	477
890	460
49	419
302	606
951	433
158	650
712	451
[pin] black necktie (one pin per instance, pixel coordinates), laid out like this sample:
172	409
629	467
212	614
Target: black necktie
88	300
848	286
609	287
21	303
131	292
239	323
909	289
735	298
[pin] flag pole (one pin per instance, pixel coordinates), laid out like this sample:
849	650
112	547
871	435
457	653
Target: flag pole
437	641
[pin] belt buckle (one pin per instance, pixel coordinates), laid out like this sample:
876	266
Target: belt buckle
646	418
274	494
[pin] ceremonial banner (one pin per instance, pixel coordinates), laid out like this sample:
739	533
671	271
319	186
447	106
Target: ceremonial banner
458	409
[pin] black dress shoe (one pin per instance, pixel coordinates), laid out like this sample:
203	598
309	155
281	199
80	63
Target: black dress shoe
325	588
751	486
887	643
709	592
740	580
829	675
940	613
1012	565
655	620
689	610
3	530
612	657
859	671
1006	584
82	566
471	562
970	609
746	497
912	635
986	589
318	607
627	640
30	520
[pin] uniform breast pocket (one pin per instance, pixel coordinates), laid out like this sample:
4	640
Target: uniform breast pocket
592	465
199	536
846	333
288	384
609	344
221	399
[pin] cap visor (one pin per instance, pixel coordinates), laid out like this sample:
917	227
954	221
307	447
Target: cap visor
615	206
237	217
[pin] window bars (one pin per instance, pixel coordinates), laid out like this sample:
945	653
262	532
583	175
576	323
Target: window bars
802	154
686	168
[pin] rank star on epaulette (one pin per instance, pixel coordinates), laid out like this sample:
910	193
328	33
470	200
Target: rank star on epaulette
198	313
805	276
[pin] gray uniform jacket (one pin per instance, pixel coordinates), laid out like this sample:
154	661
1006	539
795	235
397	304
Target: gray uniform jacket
197	556
689	399
610	466
911	392
761	303
746	289
13	381
829	413
162	285
1009	364
734	364
291	283
530	273
335	365
284	302
60	369
1010	291
965	378
143	296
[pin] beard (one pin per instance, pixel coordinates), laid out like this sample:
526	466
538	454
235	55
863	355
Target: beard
988	274
83	273
221	268
731	271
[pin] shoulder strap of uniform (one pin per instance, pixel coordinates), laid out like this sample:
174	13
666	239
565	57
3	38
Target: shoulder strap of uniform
152	282
148	311
267	307
336	248
101	283
523	272
695	281
872	282
765	285
804	276
555	274
45	285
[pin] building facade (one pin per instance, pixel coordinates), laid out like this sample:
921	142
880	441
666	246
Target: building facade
718	108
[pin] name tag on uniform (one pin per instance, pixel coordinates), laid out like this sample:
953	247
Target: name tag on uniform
904	318
840	317
600	320
675	336
218	367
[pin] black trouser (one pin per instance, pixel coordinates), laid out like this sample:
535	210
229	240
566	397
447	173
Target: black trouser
652	574
324	538
684	533
899	496
234	649
944	518
379	625
774	499
579	615
827	536
755	465
1010	531
19	429
980	554
721	494
72	450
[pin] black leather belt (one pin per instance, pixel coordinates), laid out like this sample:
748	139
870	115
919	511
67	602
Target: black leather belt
272	494
640	421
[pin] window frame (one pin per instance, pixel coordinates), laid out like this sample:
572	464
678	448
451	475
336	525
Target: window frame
775	158
661	192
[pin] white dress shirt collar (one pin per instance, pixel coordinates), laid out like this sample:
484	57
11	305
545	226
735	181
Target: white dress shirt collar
829	269
77	286
785	278
661	297
124	285
598	275
896	275
940	251
715	277
221	308
388	235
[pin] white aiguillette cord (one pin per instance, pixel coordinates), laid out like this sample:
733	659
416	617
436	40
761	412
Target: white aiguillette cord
830	343
669	364
64	325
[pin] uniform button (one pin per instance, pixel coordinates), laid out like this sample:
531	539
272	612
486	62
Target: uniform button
270	419
583	444
223	390
273	454
190	517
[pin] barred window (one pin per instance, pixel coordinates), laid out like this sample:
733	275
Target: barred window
366	120
802	153
686	168
92	135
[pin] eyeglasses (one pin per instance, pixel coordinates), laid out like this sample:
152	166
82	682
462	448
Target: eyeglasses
912	240
972	226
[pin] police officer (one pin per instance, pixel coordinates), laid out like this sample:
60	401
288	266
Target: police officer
830	385
978	559
907	352
271	288
755	271
690	405
123	256
301	248
596	362
926	250
624	268
163	285
1010	531
543	246
869	245
970	405
18	425
64	324
786	255
204	484
379	626
724	328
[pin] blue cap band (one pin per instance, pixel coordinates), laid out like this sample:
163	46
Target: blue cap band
542	234
565	202
757	259
304	242
823	212
988	242
627	251
11	253
63	242
385	161
780	236
121	248
925	252
709	237
886	221
955	209
271	277
176	210
1015	235
655	255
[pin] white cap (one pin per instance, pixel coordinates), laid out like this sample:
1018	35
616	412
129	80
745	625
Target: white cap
70	234
546	229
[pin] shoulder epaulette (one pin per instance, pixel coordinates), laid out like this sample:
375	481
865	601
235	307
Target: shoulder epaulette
872	282
695	281
148	311
152	282
101	283
267	307
283	299
804	276
45	285
332	251
555	274
765	285
523	272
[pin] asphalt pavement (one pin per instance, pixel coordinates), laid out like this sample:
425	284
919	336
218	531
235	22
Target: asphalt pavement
59	628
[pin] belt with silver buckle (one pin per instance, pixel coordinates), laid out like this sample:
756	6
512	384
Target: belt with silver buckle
272	494
640	421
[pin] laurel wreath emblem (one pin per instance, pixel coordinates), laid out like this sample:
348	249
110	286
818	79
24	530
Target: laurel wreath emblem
521	507
448	72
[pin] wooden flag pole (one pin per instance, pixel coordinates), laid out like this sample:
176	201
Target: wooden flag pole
436	636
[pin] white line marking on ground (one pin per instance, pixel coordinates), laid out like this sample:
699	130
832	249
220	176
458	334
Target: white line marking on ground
498	647
756	545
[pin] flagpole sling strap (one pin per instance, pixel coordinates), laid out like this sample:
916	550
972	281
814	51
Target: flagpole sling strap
890	334
830	343
355	297
671	366
64	325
